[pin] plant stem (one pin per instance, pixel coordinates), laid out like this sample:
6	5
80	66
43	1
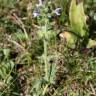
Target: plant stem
45	59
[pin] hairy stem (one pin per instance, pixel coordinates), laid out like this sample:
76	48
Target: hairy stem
45	59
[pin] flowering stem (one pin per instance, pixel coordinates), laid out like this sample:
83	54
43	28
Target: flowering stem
45	59
46	65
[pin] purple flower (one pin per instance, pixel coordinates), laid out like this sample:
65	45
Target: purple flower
35	13
57	11
40	2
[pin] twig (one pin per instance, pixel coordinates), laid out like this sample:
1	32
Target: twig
92	89
45	89
15	43
20	23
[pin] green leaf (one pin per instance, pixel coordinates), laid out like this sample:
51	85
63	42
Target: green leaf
77	18
91	43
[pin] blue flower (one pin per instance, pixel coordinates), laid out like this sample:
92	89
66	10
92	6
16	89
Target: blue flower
57	11
35	13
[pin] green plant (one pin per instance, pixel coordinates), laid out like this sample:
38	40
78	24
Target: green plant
34	61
